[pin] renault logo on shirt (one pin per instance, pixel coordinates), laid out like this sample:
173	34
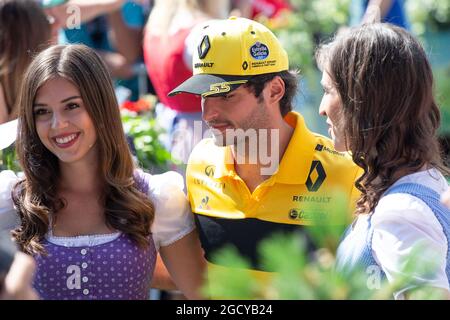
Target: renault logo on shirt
316	176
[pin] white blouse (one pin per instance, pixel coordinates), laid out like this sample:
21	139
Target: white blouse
402	222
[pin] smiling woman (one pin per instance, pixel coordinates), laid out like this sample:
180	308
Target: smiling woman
90	218
64	127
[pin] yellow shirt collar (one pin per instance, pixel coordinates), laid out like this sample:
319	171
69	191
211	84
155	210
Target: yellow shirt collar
296	162
224	163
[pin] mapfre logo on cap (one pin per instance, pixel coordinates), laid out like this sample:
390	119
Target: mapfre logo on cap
259	51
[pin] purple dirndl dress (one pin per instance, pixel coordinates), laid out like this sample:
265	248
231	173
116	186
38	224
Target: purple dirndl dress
84	268
117	269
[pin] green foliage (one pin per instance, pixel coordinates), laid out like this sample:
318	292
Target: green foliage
239	282
297	276
315	21
300	31
300	274
326	230
442	80
9	160
145	132
433	15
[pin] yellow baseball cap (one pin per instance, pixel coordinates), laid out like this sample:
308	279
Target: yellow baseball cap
229	53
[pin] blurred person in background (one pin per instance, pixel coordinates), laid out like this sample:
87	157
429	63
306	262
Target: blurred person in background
114	28
260	9
367	11
24	31
169	42
16	271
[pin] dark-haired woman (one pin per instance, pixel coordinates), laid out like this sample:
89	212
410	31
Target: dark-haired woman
379	105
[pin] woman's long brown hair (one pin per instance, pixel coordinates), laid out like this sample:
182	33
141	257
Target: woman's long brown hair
390	116
36	197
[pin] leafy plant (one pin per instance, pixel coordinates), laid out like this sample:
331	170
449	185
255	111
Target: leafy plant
298	274
312	22
144	131
430	15
301	30
442	79
9	160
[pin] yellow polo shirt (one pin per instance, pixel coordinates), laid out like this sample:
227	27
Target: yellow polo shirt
226	211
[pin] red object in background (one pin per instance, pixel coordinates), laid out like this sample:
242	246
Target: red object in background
269	8
166	69
136	106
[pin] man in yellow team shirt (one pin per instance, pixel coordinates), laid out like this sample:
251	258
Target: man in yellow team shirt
263	171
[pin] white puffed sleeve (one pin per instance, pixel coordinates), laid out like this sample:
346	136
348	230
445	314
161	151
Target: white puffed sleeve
173	216
8	217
